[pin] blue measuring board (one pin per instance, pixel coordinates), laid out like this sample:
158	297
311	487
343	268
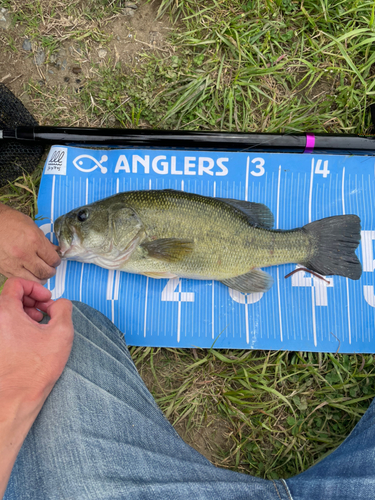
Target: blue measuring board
299	313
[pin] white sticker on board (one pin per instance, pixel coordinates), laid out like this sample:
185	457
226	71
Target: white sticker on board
56	161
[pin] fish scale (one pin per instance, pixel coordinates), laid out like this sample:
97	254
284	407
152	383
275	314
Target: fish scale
225	244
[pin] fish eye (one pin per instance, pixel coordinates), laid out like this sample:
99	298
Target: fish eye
82	215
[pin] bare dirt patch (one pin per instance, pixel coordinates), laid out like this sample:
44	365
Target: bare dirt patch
209	439
69	63
202	428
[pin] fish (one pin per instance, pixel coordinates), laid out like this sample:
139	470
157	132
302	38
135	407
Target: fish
169	233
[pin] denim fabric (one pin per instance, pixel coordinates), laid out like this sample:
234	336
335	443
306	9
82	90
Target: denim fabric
347	473
100	435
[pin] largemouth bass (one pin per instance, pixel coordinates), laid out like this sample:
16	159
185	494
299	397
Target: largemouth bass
167	233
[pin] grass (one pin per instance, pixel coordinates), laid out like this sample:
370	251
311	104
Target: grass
255	66
272	66
22	193
284	410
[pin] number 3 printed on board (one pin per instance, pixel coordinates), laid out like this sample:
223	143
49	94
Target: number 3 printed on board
259	168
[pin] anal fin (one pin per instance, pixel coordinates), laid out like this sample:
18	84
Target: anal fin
255	281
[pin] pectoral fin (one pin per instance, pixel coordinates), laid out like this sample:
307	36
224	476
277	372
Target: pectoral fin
168	249
255	281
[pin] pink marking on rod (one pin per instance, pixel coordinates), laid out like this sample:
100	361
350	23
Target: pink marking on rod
310	143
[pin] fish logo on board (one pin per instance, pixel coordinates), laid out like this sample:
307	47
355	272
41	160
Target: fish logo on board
82	160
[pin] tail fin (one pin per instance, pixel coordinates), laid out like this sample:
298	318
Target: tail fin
334	241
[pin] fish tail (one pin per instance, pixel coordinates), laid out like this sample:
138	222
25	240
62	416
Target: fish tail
333	244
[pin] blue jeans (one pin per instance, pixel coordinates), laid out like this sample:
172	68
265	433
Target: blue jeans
100	435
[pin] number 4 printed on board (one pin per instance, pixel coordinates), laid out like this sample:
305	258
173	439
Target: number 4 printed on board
172	292
323	171
320	286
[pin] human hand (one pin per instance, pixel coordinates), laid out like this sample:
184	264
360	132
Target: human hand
24	250
32	358
32	355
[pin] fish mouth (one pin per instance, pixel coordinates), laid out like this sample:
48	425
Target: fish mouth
57	229
66	242
64	248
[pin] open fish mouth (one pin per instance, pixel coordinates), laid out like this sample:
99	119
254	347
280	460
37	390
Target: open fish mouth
64	248
67	245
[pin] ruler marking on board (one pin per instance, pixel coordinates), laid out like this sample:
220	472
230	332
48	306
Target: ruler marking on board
111	274
329	196
73	192
117	284
357	212
80	283
313	313
52	211
114	276
246	198
312	281
291	224
365	248
278	277
311	188
145	316
213	291
83	264
371	226
247	177
342	190
347	295
179	297
213	309
52	205
347	279
247	323
179	312
146	294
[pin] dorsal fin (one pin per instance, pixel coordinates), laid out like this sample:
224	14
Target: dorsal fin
257	213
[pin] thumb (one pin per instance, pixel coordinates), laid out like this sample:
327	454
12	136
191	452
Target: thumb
60	313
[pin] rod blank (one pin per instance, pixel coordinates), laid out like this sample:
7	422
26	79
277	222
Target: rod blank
297	143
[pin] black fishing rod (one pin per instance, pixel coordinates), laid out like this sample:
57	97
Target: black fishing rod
218	141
